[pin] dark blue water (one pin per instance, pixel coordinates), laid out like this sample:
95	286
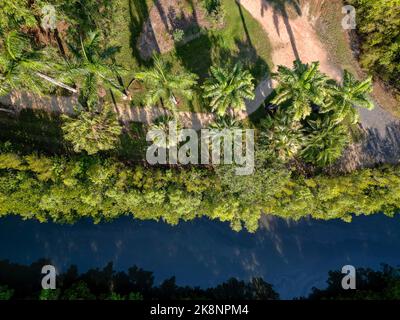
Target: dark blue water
294	257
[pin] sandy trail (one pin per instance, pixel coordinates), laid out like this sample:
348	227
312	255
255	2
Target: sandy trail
291	38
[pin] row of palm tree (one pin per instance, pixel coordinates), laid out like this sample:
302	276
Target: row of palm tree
314	114
305	86
226	88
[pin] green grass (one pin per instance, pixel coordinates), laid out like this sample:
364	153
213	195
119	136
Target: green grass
334	37
242	39
36	130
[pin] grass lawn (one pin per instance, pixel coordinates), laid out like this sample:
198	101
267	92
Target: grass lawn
242	39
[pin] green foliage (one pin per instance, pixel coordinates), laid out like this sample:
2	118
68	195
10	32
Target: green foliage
20	64
351	93
94	66
302	86
93	131
212	6
106	189
315	114
164	86
378	24
178	35
6	293
78	291
325	141
49	294
281	135
228	88
14	13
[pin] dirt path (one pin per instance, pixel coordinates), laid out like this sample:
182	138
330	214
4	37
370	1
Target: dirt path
291	38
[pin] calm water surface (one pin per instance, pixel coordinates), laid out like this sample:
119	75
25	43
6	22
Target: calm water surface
294	257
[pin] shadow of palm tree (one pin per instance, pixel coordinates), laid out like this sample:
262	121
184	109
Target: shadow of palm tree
139	14
280	7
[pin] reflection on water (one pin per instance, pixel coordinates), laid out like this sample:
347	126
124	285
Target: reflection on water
294	256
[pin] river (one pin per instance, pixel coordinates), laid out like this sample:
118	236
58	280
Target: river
293	256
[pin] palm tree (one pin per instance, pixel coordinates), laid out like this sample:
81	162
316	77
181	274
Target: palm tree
92	131
23	67
225	122
281	135
347	96
163	85
228	88
94	67
302	86
325	141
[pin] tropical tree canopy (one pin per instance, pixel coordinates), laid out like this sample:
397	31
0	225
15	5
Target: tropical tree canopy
281	135
164	86
228	88
325	141
92	131
93	66
20	64
344	98
301	86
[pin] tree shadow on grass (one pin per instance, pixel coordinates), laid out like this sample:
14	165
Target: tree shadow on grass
33	130
139	14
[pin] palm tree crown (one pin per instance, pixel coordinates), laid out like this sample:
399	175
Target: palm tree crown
229	88
282	135
92	66
302	86
325	141
345	97
164	86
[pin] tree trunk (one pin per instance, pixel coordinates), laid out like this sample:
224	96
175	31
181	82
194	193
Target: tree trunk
55	82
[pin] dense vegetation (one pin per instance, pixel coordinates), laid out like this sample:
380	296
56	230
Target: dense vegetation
66	189
307	125
378	24
19	282
22	282
371	284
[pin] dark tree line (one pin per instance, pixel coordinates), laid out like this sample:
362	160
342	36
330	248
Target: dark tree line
24	282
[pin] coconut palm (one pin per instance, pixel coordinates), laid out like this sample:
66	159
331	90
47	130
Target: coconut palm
92	131
225	122
93	66
352	93
228	88
325	141
163	85
301	86
23	67
281	135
